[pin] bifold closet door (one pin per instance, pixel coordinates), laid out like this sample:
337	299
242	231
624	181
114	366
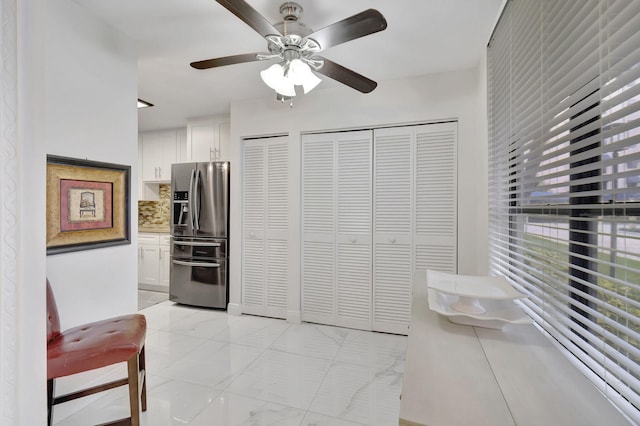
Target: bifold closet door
265	227
377	206
392	221
414	214
336	222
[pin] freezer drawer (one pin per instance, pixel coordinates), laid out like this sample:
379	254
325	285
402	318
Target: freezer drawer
199	283
198	248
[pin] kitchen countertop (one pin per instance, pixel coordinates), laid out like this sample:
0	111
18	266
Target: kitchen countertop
154	229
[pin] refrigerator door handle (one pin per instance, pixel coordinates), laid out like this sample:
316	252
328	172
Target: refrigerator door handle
193	244
190	195
197	201
200	264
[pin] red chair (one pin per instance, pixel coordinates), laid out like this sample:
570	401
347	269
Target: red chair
95	345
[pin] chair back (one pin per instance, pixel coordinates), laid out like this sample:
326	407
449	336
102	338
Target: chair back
53	320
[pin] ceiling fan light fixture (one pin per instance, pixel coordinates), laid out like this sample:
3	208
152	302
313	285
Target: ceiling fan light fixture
300	74
274	77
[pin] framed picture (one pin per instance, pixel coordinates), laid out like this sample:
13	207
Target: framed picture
88	204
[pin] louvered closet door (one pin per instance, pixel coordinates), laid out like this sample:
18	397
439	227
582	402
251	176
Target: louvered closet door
318	228
265	254
253	214
392	219
277	230
336	261
435	239
353	242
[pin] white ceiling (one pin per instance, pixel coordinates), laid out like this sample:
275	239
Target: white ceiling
422	37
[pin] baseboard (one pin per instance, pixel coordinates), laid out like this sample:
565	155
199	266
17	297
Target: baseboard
294	317
234	309
151	287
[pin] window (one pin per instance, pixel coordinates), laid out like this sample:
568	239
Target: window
564	153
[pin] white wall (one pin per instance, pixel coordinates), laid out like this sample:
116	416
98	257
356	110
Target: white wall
91	88
22	230
452	95
482	177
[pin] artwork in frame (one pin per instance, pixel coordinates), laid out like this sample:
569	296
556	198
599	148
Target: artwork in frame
88	204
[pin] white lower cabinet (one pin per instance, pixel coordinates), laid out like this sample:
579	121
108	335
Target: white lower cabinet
153	261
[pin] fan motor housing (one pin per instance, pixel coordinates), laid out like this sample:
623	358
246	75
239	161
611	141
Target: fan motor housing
291	11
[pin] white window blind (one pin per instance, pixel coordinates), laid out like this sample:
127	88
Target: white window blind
564	148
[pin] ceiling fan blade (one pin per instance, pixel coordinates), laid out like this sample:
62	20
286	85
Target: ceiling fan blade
359	25
346	76
226	60
249	16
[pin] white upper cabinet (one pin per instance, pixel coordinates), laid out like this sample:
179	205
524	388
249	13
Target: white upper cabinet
208	139
159	150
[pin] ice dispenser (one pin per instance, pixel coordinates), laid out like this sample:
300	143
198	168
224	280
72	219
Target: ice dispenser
180	208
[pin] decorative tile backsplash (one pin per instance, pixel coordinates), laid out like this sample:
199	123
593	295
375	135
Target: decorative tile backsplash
156	214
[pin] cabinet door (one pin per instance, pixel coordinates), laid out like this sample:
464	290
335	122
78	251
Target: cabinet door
165	264
159	151
148	264
206	139
169	146
392	216
201	140
225	140
151	157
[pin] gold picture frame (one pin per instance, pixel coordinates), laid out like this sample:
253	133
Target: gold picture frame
88	204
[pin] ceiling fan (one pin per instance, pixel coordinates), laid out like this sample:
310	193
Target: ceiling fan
296	47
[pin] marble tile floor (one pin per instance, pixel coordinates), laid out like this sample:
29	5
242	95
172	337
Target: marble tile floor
207	368
148	298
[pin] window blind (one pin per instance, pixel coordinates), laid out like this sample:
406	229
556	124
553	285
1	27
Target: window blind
564	171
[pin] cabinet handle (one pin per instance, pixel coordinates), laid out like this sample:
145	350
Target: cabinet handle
141	253
160	252
159	172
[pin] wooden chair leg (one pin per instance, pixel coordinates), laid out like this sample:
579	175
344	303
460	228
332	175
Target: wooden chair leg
50	389
133	369
143	376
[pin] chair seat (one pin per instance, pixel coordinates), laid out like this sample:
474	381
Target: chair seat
95	345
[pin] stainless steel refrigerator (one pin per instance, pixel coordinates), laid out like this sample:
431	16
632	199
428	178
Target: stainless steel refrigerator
200	234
